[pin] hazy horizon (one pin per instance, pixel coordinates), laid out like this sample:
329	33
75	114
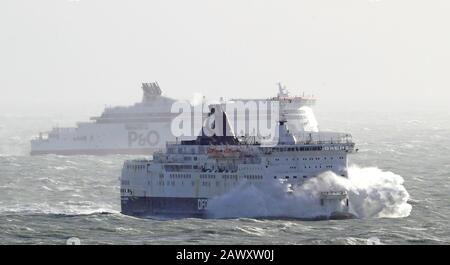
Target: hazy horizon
59	56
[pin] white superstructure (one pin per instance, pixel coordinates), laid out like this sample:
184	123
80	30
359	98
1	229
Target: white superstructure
146	126
182	180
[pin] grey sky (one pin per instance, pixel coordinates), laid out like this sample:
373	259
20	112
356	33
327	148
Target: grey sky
66	54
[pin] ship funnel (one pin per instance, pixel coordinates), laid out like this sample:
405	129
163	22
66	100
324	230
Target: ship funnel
151	91
284	136
217	123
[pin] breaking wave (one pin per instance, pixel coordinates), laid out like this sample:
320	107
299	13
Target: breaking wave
373	193
307	120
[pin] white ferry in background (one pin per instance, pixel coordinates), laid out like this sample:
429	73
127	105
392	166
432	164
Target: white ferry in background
145	127
182	180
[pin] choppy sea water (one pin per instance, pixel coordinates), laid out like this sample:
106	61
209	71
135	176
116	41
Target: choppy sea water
48	199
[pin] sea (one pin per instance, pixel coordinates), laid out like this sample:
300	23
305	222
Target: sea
399	188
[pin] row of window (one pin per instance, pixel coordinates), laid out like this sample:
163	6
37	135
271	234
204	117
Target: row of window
168	183
309	166
136	167
310	158
287	177
204	183
175	168
207	176
209	183
179	176
210	176
291	149
230	177
252	177
189	158
307	148
319	166
126	191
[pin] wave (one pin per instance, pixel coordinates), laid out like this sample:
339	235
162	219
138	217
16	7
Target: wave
45	209
308	120
372	193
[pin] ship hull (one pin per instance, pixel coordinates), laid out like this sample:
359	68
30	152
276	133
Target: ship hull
162	206
105	139
151	207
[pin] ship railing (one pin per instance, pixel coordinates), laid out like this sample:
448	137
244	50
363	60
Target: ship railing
333	194
334	142
43	136
321	142
308	143
323	137
62	130
304	98
54	133
138	161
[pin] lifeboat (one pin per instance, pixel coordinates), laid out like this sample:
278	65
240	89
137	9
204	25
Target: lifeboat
231	153
223	153
215	153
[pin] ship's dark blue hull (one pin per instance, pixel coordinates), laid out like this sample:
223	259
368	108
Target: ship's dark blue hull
148	207
165	206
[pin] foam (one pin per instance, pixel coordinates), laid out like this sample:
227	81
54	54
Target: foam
373	193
